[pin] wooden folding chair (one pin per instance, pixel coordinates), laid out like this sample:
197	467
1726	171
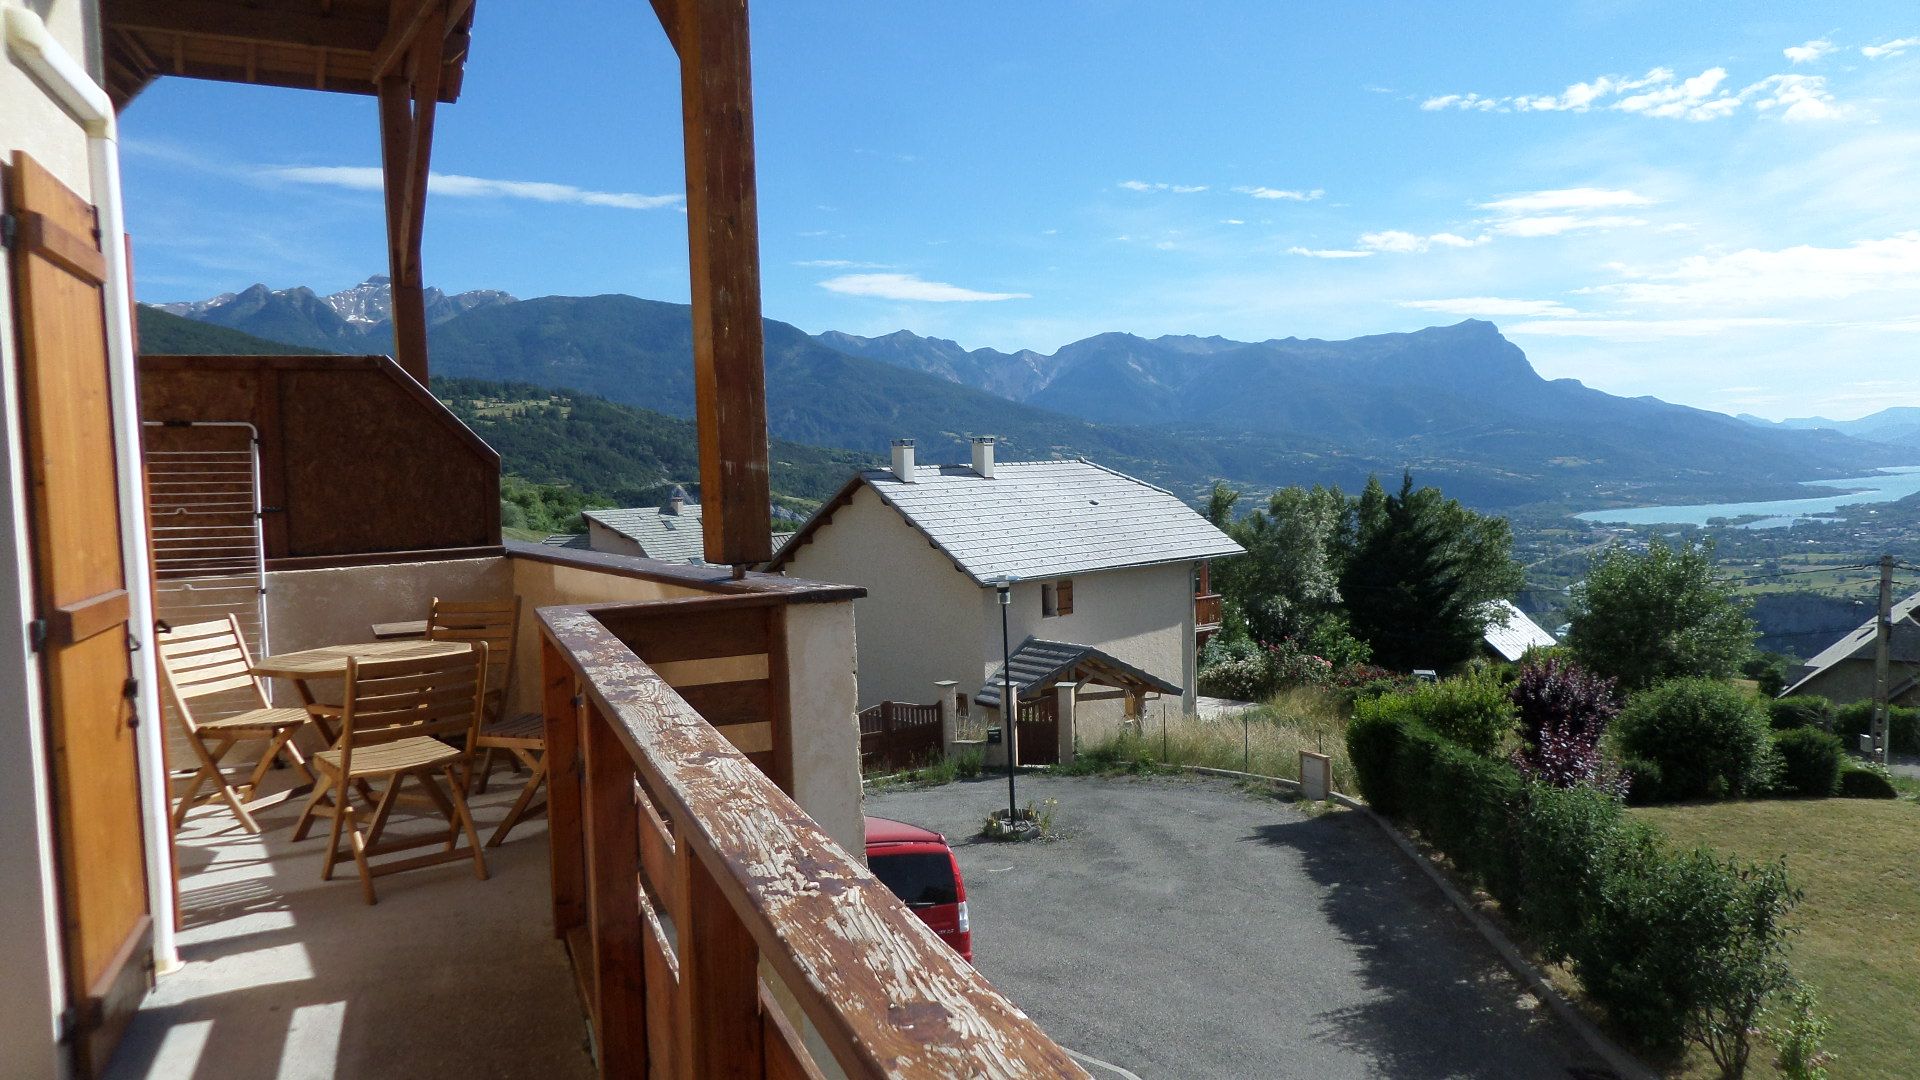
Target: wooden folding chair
391	725
206	661
524	738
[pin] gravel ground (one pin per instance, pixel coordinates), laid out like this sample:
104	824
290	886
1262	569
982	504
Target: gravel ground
1182	927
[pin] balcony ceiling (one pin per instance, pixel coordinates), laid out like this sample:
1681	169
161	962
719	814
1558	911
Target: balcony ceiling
337	45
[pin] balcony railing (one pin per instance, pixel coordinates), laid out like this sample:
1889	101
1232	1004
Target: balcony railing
712	922
1206	610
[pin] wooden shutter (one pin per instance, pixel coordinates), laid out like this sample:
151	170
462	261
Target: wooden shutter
80	597
1063	598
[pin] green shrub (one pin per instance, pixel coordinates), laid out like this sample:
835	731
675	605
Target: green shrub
1866	782
1903	725
1709	739
1686	948
1799	712
1248	679
1646	784
1810	761
1675	948
1475	712
1798	1036
970	763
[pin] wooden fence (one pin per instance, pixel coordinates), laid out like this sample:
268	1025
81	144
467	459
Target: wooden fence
898	735
681	872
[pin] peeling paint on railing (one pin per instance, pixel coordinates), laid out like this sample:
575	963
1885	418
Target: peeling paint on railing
887	996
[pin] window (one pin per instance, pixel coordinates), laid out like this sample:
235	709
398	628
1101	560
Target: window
920	880
1056	598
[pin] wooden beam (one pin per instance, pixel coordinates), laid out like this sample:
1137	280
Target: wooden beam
409	23
284	25
716	95
407	106
668	12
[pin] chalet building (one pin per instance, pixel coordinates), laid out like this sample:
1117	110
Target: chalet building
1108	582
670	532
693	725
1510	633
1843	671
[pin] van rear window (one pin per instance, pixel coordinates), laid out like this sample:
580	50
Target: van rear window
920	880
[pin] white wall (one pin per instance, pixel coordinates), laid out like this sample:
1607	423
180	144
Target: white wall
821	694
601	538
32	990
1143	615
920	620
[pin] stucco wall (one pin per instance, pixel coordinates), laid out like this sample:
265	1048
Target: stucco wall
821	692
32	991
601	538
1852	680
1142	615
920	620
540	584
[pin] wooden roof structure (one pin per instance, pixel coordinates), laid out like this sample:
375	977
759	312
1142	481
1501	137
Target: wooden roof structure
410	55
1039	666
344	46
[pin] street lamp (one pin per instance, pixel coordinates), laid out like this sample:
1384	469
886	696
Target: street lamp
1009	705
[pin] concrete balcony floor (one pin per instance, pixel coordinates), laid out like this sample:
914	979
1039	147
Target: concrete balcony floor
289	976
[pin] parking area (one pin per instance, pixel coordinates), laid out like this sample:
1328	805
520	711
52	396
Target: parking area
1182	927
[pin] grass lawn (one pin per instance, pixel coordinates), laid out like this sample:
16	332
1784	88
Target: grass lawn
1859	942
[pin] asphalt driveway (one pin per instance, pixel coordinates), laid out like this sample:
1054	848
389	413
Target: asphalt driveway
1185	928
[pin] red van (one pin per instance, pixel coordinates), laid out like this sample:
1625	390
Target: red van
919	867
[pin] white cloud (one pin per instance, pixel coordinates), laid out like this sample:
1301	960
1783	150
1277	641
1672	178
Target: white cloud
1798	97
368	178
1809	52
1177	189
1281	193
1232	221
1777	279
1888	48
1397	242
1661	93
1328	253
910	287
1560	224
1492	305
1644	329
1581	198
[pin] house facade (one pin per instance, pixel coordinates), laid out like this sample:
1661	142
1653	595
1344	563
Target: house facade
1843	672
1093	558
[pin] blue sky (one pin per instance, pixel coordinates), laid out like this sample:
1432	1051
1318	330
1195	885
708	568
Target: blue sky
1716	206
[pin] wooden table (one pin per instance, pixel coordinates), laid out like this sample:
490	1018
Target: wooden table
330	662
411	628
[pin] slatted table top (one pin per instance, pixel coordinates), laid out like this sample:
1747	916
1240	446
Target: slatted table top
330	661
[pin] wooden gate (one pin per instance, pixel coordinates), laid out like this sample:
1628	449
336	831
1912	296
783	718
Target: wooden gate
81	607
1040	731
898	735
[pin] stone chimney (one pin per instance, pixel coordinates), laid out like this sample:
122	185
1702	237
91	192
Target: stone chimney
983	455
676	499
903	460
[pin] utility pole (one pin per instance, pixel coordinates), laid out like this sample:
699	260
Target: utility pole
1882	642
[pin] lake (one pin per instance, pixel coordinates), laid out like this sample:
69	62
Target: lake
1889	485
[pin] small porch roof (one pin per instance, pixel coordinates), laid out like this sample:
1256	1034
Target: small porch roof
1039	665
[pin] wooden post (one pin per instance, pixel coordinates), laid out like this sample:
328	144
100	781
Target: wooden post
719	981
1882	639
566	846
723	241
408	95
613	894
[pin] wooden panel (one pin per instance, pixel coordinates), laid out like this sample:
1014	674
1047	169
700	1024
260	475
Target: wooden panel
356	459
689	635
567	854
723	244
613	894
722	704
719	981
79	579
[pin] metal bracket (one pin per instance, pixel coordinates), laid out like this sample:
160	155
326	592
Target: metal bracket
37	632
9	228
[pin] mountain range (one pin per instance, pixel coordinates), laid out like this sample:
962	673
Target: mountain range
1460	405
1899	425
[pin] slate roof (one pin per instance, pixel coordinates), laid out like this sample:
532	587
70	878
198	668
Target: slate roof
1037	519
1038	664
1517	635
663	536
1902	648
567	540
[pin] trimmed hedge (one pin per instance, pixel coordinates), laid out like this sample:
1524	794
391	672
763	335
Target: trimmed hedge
1709	739
1903	725
1863	783
1671	945
1810	762
1798	712
1474	711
